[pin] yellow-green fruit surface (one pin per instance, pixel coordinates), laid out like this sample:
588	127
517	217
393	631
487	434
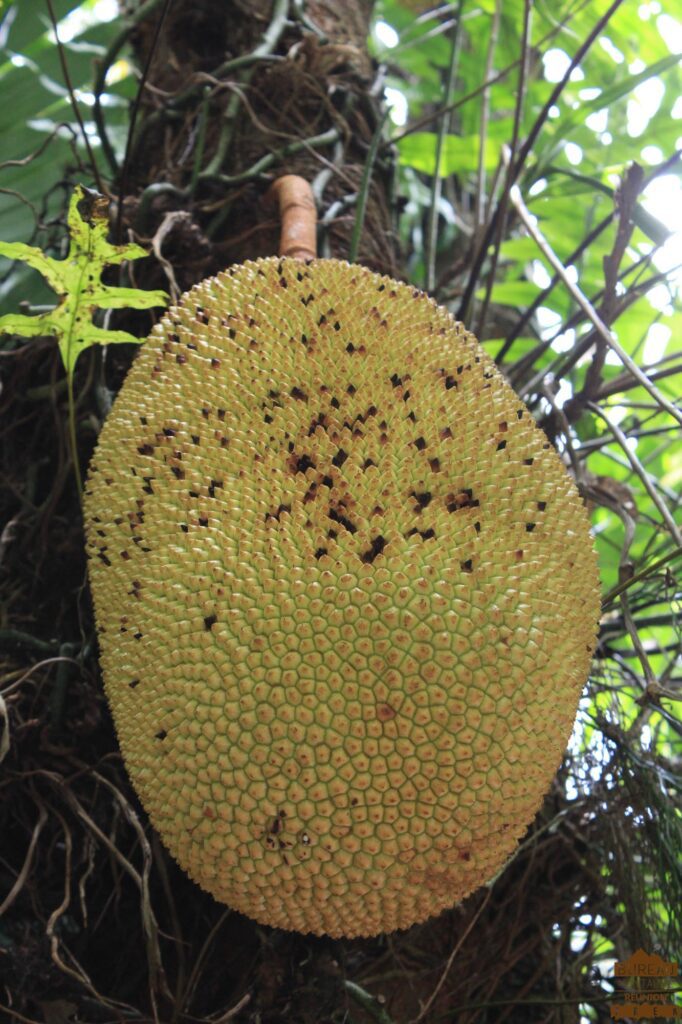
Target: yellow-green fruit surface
346	597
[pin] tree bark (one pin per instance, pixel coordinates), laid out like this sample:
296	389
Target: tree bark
238	94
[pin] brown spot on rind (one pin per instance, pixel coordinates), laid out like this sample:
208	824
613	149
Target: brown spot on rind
377	545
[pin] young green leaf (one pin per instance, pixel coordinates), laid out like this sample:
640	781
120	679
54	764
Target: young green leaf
76	280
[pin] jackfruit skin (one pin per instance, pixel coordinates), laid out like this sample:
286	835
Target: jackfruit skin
346	597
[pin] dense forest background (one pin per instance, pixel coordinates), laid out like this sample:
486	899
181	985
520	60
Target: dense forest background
519	160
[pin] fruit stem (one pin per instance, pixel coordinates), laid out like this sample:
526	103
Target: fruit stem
295	203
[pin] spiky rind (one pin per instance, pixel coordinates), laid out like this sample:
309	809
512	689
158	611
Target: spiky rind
346	597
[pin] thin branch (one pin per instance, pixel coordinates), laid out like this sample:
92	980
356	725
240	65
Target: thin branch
595	443
480	201
108	59
452	107
574	62
640	471
363	192
563	362
436	182
433	115
72	97
123	180
540	299
20	880
511	174
525	150
433	33
586	306
455	950
624	382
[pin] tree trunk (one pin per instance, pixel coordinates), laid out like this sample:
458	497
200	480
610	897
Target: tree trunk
237	94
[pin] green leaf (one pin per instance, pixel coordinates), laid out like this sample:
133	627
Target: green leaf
607	98
41	142
512	293
623	87
521	248
459	154
76	280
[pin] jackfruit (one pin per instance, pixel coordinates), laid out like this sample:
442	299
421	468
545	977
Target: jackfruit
346	597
